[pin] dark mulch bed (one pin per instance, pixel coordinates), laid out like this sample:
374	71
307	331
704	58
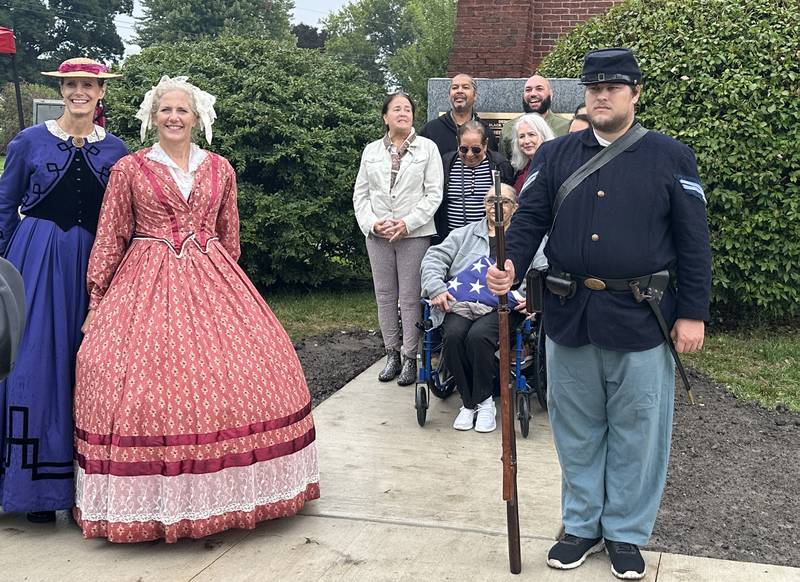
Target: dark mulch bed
330	361
733	489
733	482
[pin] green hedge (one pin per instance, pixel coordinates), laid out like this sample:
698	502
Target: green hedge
293	123
9	116
723	76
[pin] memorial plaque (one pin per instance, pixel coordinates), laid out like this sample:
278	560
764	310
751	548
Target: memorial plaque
46	109
503	97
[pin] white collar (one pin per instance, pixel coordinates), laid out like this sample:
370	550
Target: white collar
196	157
99	133
603	142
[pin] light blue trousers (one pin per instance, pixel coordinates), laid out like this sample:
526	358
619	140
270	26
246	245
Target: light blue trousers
611	415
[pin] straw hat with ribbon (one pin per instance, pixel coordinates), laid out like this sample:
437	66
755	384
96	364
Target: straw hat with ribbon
82	67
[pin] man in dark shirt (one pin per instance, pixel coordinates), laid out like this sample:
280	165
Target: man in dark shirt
443	130
611	376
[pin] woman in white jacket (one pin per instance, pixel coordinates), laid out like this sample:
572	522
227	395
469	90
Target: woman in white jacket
397	192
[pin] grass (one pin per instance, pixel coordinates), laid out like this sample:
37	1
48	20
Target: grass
758	365
313	313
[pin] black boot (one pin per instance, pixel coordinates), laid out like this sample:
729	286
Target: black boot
408	375
41	516
392	367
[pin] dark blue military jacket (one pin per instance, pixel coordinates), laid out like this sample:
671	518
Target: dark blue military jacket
642	212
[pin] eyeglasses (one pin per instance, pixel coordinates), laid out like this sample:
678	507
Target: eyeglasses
474	149
493	200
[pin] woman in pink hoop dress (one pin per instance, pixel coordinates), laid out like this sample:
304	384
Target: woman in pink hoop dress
192	413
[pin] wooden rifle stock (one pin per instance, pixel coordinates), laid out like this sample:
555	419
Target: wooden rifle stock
509	457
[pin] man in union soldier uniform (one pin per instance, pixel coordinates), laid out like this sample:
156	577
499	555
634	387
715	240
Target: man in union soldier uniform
628	288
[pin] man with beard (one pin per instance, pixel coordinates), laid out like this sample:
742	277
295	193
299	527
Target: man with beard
537	96
443	130
629	261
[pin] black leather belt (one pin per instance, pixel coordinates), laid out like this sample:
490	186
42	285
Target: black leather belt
601	283
648	289
564	284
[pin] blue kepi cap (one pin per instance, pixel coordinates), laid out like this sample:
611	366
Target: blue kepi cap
611	65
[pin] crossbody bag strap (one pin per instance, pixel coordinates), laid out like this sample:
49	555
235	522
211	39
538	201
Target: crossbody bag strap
608	153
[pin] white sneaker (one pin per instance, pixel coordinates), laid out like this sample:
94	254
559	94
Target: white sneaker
465	419
486	413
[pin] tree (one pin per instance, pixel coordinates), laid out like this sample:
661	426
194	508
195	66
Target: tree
86	28
399	43
309	37
722	76
433	24
9	119
171	21
293	122
48	32
32	22
367	33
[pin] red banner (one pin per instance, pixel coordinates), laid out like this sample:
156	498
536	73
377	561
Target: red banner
7	46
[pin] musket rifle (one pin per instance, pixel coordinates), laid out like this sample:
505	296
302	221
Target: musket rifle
509	457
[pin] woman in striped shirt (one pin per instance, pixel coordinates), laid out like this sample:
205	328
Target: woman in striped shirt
467	178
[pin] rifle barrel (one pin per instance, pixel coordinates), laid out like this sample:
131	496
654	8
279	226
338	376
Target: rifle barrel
509	457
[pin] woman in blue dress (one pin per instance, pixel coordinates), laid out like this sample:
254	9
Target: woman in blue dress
55	174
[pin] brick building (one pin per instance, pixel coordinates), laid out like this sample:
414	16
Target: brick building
508	38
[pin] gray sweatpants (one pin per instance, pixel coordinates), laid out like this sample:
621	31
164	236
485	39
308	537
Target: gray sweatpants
395	276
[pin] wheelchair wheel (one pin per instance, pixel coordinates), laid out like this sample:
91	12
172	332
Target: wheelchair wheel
421	403
524	414
540	368
440	383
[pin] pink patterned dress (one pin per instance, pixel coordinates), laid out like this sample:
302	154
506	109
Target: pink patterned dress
192	414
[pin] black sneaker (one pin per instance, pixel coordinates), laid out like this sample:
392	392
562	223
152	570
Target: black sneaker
571	551
626	560
41	516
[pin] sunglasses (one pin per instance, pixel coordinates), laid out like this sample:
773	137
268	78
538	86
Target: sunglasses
474	149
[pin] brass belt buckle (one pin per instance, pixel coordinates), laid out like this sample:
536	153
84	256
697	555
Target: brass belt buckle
594	284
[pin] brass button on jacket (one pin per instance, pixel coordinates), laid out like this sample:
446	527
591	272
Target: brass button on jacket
600	193
595	237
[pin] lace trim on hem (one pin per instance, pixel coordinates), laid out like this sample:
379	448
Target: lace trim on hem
197	516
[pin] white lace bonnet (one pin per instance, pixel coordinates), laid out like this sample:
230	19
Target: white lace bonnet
204	102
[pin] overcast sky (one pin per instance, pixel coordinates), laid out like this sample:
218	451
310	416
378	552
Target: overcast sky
307	11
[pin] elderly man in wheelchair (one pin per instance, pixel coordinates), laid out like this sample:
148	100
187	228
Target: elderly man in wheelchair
453	276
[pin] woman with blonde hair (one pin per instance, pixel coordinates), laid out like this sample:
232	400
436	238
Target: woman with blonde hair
192	414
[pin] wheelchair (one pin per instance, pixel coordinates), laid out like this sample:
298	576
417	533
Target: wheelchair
432	375
528	372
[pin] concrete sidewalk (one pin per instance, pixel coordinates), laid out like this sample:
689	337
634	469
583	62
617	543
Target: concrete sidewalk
399	502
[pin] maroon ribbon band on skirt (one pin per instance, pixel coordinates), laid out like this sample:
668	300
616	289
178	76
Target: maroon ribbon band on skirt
194	466
178	440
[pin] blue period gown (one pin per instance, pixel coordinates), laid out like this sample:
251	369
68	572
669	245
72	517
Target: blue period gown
59	187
